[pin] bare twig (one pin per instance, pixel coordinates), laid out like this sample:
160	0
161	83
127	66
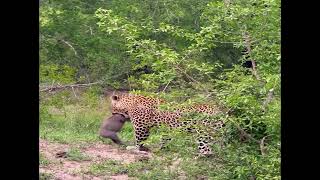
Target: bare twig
191	78
268	100
166	86
156	6
248	136
225	42
166	9
52	83
48	88
243	133
74	92
51	88
262	146
196	23
90	29
67	43
186	74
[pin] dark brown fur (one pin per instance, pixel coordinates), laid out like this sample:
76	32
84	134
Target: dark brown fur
111	126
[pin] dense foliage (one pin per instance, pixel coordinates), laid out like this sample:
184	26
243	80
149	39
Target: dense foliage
178	50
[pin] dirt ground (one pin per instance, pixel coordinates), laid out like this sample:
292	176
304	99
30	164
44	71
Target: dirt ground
64	169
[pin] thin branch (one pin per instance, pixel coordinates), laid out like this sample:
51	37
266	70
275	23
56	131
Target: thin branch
52	83
268	100
155	7
262	146
166	9
57	87
248	136
67	43
51	88
243	133
90	29
226	42
74	92
196	23
166	86
191	78
186	74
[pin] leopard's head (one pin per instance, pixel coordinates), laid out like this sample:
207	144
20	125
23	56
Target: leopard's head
120	105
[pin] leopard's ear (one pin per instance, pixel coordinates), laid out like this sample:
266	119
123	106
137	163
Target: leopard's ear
115	97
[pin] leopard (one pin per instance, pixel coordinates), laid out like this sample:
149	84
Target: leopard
119	101
144	115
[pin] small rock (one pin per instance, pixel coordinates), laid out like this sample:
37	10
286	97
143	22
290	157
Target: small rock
61	154
130	147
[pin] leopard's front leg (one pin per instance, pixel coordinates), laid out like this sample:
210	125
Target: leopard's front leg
141	134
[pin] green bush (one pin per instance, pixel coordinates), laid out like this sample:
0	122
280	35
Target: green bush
192	51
